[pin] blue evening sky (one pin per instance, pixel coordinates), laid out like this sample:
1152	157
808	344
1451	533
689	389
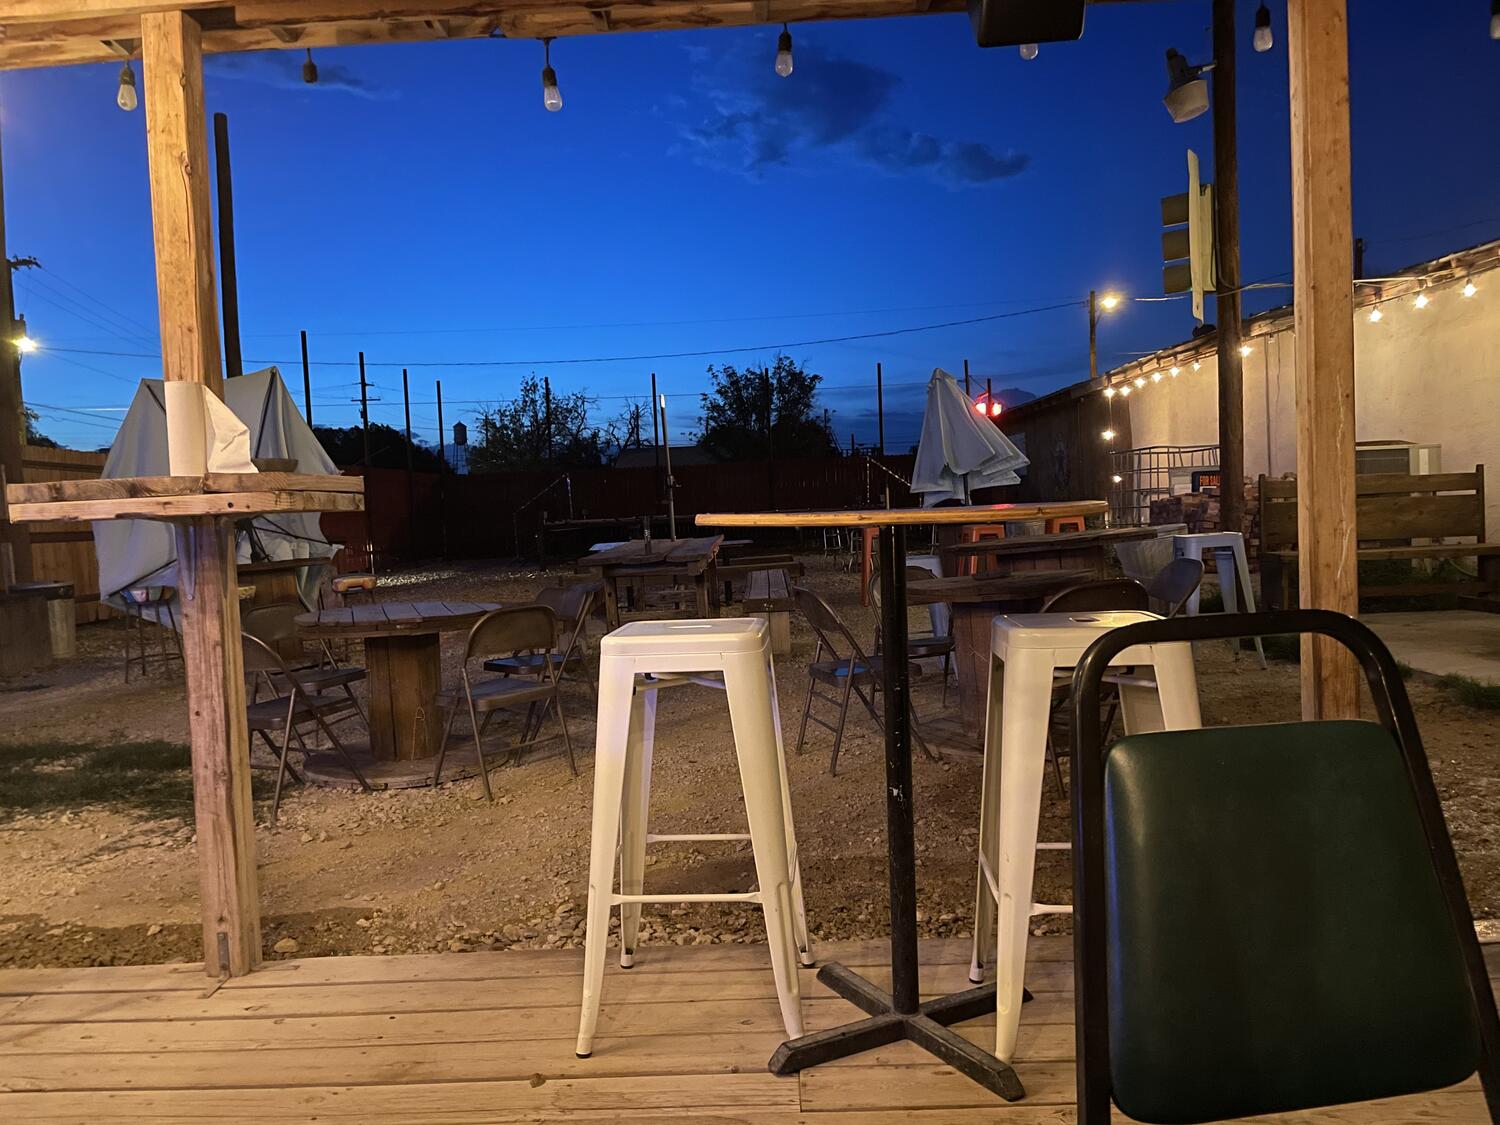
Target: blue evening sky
420	204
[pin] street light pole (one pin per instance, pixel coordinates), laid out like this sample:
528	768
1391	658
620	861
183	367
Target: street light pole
1097	307
1227	295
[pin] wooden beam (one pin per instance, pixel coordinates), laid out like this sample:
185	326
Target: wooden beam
177	156
287	35
1323	266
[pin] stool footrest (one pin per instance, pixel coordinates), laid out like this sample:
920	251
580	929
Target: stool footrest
653	838
739	896
1044	908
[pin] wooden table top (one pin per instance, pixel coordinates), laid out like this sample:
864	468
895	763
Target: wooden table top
663	551
978	588
1059	541
393	618
906	517
277	566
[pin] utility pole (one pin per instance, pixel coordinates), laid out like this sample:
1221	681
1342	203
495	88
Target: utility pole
411	487
671	484
880	405
655	441
1227	296
12	413
967	392
364	409
1093	334
547	418
229	291
306	382
442	470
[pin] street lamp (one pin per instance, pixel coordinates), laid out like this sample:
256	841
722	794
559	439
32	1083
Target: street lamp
1097	307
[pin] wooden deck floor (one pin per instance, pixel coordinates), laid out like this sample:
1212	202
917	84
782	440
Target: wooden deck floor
488	1037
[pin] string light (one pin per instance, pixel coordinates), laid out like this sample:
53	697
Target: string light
1117	478
1109	392
1422	301
1140	381
1262	40
1156	376
1107	435
1176	371
1376	316
1469	287
126	98
1028	51
784	52
310	69
1125	391
1197	366
1244	350
551	95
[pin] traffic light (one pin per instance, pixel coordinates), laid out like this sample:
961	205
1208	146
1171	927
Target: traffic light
1187	243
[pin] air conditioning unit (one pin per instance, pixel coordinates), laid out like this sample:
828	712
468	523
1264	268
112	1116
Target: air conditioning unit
1409	457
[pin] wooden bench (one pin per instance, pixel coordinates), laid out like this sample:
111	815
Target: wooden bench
732	575
1398	518
768	595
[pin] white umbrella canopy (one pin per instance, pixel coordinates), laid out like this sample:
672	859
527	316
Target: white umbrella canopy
960	451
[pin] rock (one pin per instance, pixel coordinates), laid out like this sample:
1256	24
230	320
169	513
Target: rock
286	945
306	837
153	929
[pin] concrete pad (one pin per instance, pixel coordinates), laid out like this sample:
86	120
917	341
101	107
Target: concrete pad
1462	642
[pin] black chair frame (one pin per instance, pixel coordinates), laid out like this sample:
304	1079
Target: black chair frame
1089	911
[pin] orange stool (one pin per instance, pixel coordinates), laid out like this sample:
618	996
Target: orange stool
345	585
1064	523
973	533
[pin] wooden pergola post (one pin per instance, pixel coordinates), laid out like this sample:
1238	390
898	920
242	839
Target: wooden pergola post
177	150
1323	262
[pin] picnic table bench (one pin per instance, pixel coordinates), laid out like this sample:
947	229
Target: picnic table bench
673	559
768	595
1398	517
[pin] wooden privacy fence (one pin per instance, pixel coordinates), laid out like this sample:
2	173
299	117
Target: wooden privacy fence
64	552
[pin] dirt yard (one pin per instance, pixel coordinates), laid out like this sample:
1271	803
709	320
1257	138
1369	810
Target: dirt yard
96	830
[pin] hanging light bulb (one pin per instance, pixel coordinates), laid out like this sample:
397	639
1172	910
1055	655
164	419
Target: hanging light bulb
126	98
1244	350
1376	316
1263	39
1470	288
1117	478
309	69
1156	376
1028	51
784	53
551	95
1197	366
1125	391
1140	381
1175	371
1422	301
1107	435
1109	392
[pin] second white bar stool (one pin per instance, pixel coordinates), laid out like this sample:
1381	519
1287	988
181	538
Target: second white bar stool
671	653
1025	649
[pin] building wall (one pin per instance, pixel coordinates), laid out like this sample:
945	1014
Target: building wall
1428	375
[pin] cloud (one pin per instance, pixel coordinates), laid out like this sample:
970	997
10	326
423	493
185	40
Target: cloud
282	70
830	107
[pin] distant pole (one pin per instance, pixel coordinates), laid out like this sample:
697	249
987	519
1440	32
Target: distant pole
411	484
442	470
306	381
1093	334
989	397
1227	296
966	380
655	441
880	405
364	409
666	447
229	290
547	423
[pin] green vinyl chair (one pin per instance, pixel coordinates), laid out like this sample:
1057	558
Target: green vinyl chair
1268	918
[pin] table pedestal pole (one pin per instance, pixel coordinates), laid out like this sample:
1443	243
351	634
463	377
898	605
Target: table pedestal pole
900	1014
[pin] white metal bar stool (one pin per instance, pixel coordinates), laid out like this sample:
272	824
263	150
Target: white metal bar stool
1228	550
671	653
1025	649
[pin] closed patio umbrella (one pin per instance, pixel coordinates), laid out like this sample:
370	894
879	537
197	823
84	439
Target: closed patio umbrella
960	451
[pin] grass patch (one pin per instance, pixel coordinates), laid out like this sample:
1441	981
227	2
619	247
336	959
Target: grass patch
1471	692
154	778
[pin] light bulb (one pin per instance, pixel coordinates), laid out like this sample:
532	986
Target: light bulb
1125	391
26	345
1117	478
126	99
1197	366
1262	40
1156	376
1028	51
979	408
1422	301
995	409
1244	350
1140	381
1376	316
784	53
551	95
1109	392
1107	435
1176	371
1109	300
309	69
1470	289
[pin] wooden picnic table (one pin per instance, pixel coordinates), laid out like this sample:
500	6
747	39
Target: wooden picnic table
1058	551
403	659
660	558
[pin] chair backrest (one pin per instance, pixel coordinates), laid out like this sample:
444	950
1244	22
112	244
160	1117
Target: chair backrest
1268	918
260	656
1388	507
913	574
506	632
1108	593
1175	583
826	624
272	623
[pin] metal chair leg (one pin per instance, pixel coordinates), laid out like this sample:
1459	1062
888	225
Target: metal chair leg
437	769
806	710
484	771
838	734
567	740
343	752
286	737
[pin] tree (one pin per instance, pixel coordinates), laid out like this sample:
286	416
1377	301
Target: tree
538	429
763	412
35	436
387	447
626	429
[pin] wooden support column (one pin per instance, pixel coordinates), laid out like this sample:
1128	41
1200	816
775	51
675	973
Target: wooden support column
1323	257
177	150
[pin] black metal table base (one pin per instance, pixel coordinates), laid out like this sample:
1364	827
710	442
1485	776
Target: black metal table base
926	1027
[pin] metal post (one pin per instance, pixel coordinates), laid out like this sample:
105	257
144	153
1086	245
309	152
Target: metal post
229	293
655	441
880	419
547	421
442	470
1227	296
967	392
666	448
306	381
364	430
411	486
900	818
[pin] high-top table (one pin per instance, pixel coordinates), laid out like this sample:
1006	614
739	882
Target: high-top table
901	1013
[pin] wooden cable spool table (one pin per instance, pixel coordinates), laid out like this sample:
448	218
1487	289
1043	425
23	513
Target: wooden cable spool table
901	1013
403	660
